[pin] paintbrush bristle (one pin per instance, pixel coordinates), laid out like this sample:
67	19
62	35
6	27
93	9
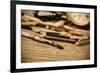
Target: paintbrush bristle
59	46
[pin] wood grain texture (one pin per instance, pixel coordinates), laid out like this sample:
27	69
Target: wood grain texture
34	51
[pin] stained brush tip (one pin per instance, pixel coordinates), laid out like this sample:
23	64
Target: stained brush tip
60	47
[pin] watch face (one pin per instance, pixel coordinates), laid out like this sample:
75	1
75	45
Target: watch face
80	19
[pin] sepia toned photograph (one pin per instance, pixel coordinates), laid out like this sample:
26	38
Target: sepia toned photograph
52	36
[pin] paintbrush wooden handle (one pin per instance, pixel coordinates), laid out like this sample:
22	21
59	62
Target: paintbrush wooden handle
59	23
28	23
60	39
67	36
41	39
82	41
76	31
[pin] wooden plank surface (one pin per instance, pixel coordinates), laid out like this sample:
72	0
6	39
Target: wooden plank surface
34	51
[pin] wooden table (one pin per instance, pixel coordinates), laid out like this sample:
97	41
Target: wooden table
34	51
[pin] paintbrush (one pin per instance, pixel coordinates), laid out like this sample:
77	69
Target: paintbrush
41	39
